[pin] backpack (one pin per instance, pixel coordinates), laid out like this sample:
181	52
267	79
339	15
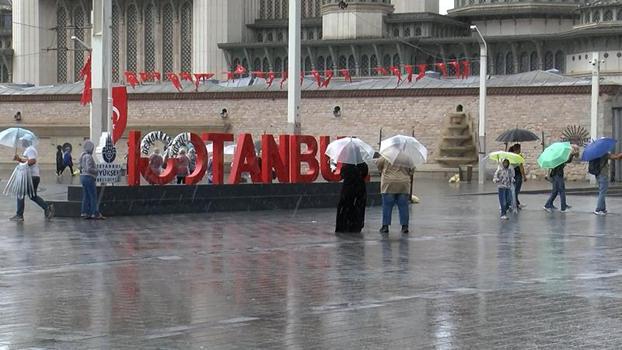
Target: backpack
596	165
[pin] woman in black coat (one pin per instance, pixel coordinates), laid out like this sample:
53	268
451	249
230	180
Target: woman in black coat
60	164
351	208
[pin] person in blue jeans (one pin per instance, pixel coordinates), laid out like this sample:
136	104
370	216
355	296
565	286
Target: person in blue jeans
519	176
88	179
603	182
559	187
395	188
504	178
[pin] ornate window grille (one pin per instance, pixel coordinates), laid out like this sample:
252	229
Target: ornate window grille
257	64
186	37
61	47
329	62
278	65
352	65
560	61
608	16
116	13
548	61
285	8
386	61
373	63
308	66
343	62
533	61
266	65
150	37
167	38
132	38
364	65
79	23
396	60
499	65
509	63
523	62
270	10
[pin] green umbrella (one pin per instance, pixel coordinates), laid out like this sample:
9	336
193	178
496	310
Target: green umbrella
556	154
514	158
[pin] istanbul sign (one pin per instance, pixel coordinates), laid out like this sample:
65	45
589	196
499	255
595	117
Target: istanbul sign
284	158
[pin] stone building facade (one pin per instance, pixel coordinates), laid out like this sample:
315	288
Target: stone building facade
214	35
6	53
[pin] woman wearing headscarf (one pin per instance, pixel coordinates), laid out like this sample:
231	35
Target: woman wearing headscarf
60	164
156	161
182	166
88	178
351	208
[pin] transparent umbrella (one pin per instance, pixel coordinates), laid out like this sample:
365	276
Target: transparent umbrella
404	151
10	137
350	150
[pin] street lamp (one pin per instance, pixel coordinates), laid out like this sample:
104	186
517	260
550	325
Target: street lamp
75	38
483	56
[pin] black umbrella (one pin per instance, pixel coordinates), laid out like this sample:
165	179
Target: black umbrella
517	135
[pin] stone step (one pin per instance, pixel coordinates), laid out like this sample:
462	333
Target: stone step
466	148
456	137
458	127
457	115
456	161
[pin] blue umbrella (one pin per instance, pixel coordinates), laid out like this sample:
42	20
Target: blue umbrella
598	148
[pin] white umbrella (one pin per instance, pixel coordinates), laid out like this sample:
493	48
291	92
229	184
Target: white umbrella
20	182
229	148
404	151
350	150
10	137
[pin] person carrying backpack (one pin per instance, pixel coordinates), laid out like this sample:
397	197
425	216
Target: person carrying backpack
600	168
68	161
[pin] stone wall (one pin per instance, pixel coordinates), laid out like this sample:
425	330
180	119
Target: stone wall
364	117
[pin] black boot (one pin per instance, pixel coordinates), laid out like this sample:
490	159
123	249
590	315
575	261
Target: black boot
404	229
384	229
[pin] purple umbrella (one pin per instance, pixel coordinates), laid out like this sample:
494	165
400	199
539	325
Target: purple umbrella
598	148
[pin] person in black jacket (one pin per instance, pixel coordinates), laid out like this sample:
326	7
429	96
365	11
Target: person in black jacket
60	164
353	200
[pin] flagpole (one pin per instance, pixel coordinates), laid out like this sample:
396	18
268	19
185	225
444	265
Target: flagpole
293	86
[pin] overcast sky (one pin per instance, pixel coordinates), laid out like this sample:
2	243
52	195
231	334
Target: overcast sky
445	5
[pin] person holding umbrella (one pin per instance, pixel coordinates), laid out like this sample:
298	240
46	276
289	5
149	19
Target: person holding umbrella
352	153
519	175
399	155
555	157
598	155
29	157
504	178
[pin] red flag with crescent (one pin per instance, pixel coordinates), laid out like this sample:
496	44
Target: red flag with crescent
422	68
119	112
87	92
443	67
174	80
329	74
346	74
131	79
381	70
466	69
239	70
270	79
283	78
409	70
396	71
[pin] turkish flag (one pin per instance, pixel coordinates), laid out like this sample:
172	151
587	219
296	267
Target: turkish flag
259	74
87	92
131	79
346	74
156	75
409	71
239	70
201	76
271	77
381	70
230	76
145	76
456	66
329	74
443	67
119	112
318	78
283	78
174	80
396	71
466	69
185	76
422	68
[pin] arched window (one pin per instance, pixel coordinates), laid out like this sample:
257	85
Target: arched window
116	14
245	65
329	62
386	61
132	38
352	65
4	74
321	64
475	64
257	65
236	61
270	37
365	66
186	37
270	10
266	65
450	69
150	37
373	63
61	48
417	31
310	35
168	18
608	16
596	16
343	62
533	61
396	60
619	17
560	61
80	24
548	61
280	36
407	32
523	62
509	63
278	65
308	66
259	37
396	32
499	65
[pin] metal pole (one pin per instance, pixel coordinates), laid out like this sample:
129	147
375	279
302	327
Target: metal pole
482	104
293	85
594	107
101	57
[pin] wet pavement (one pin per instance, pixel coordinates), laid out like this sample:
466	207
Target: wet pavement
462	279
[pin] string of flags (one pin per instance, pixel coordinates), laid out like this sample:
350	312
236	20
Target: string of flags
460	69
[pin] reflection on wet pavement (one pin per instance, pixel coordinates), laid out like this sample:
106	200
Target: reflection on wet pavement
274	280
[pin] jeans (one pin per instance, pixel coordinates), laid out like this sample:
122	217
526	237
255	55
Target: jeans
34	197
559	187
388	201
603	186
89	196
505	200
518	184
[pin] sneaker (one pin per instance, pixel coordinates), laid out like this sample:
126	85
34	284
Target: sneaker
522	206
504	217
548	210
98	217
17	218
404	229
600	213
49	212
568	207
384	229
564	211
